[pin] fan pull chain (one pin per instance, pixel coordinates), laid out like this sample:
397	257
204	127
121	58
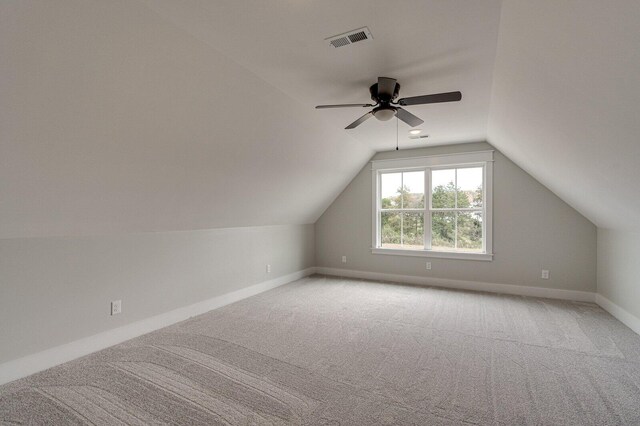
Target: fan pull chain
397	136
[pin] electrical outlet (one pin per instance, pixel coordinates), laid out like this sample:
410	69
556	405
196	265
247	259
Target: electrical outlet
428	266
268	269
116	307
344	259
545	274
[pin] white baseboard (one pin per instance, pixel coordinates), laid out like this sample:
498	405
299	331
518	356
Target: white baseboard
30	364
550	293
624	316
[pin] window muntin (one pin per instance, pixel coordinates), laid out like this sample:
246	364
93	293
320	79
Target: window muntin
455	222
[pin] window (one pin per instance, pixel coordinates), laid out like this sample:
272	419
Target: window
402	209
456	209
436	206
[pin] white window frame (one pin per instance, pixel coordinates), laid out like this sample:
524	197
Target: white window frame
482	159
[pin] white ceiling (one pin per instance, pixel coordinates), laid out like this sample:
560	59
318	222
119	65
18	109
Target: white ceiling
155	115
429	46
565	104
113	120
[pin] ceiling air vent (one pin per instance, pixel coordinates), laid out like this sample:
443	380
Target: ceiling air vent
355	36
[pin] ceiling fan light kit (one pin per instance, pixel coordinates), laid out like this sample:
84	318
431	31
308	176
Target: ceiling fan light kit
384	93
384	113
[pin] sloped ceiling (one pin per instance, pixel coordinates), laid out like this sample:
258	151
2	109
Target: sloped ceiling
113	120
566	100
429	46
123	116
127	116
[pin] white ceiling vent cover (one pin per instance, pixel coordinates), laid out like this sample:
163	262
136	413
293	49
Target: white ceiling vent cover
354	36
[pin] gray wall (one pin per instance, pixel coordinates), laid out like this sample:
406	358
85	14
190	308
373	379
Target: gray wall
533	229
56	290
619	269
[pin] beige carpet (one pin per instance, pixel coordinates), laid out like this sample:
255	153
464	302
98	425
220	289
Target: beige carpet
327	351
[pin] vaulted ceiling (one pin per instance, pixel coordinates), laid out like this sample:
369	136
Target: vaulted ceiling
428	46
121	116
566	102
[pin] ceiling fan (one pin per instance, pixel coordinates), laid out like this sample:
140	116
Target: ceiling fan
384	93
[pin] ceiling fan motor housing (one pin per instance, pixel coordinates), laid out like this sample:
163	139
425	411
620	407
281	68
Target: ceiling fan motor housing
383	98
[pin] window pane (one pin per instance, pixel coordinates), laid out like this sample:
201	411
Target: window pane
443	230
413	190
470	187
470	231
443	193
413	231
390	190
390	228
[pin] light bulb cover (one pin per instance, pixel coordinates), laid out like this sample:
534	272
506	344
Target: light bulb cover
384	113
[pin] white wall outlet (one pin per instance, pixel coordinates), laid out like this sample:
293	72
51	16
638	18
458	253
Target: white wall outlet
428	266
116	307
268	269
545	274
344	259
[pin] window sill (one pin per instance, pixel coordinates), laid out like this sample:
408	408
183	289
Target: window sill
436	254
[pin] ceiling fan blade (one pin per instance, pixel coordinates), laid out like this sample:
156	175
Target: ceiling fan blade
408	118
344	106
431	99
386	87
359	121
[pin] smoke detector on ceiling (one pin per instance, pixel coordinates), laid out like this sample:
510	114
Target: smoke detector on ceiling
351	37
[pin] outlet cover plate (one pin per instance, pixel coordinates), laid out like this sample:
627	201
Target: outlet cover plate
116	307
